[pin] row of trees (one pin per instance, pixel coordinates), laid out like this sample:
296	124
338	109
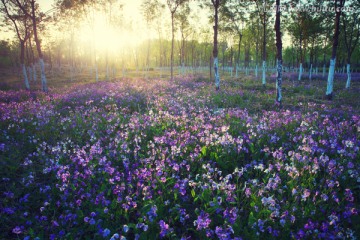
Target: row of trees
242	34
25	17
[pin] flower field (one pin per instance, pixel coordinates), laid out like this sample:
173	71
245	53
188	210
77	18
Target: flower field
149	159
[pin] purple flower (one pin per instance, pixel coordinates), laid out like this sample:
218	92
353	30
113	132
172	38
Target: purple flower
349	195
350	165
106	232
8	210
260	224
231	215
55	223
224	234
143	226
247	192
306	194
203	221
152	213
164	228
115	236
125	228
301	233
324	197
282	222
92	221
17	230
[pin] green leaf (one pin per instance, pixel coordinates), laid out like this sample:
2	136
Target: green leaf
203	151
192	193
252	219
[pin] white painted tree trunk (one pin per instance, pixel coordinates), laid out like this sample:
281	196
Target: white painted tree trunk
310	72
34	72
26	80
43	77
264	73
300	71
330	80
216	72
348	81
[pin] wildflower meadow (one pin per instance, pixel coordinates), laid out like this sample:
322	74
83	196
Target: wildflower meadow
159	159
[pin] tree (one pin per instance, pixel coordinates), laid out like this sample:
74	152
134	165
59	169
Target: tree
278	52
297	28
264	15
184	26
338	7
233	11
32	14
150	10
173	6
351	34
22	26
216	6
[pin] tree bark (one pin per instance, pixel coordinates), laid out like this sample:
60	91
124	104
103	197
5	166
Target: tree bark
348	76
38	48
172	47
264	48
22	63
330	81
33	63
216	4
278	53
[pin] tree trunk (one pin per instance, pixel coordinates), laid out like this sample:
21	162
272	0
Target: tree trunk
300	71
29	68
330	81
239	50
216	4
33	63
348	76
38	47
264	51
278	53
22	63
172	47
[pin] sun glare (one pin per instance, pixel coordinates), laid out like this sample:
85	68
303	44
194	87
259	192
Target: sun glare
106	37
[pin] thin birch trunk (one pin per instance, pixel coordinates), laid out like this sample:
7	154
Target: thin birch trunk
348	81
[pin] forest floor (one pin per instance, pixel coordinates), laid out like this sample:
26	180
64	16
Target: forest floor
147	158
